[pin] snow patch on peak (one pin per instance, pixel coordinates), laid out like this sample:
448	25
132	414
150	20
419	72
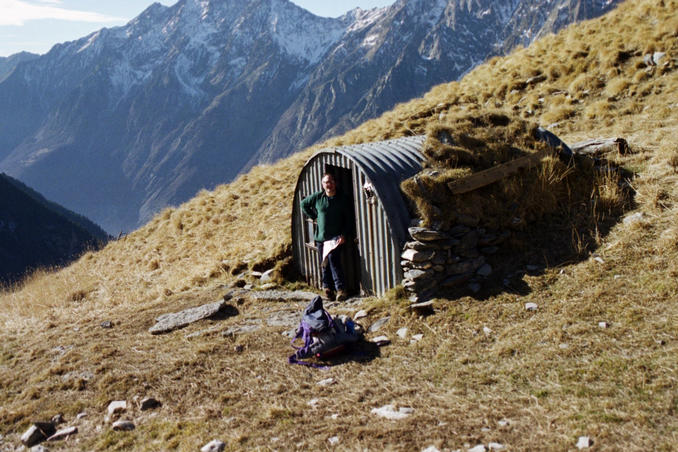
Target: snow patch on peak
90	41
360	18
300	34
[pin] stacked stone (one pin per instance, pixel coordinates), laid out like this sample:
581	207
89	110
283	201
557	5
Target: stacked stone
438	260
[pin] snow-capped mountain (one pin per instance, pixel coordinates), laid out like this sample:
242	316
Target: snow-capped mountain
128	120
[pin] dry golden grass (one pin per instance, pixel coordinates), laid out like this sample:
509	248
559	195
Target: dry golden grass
552	375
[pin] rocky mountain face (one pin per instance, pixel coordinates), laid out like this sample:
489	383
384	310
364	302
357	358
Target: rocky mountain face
7	64
35	232
128	120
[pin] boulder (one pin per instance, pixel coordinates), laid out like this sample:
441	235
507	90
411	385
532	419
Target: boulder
426	235
170	322
37	433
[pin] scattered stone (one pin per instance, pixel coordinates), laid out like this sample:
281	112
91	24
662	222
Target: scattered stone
402	333
634	218
63	433
170	322
376	326
496	446
39	448
425	308
268	286
503	422
564	346
123	425
333	441
478	448
486	330
381	340
256	274
417	337
313	403
484	271
603	324
149	403
116	407
657	57
360	314
215	446
599	259
267	276
431	449
37	433
584	442
107	324
326	382
389	412
58	419
81	415
531	306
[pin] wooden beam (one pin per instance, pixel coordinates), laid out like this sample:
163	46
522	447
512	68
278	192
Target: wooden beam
601	146
488	176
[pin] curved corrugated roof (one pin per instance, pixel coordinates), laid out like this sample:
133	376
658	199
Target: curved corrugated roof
386	164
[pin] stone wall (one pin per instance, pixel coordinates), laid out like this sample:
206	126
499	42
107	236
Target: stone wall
435	261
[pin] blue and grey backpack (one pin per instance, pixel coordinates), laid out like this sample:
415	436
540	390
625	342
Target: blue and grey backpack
323	336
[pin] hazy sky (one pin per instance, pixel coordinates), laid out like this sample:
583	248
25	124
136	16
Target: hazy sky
36	25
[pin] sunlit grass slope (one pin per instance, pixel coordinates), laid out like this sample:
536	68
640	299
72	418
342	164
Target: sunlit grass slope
549	376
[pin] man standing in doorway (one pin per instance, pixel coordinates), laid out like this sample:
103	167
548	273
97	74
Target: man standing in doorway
333	214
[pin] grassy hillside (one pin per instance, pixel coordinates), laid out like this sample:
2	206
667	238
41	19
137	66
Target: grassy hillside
486	369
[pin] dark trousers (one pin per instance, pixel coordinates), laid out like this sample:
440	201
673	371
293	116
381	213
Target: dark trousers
331	271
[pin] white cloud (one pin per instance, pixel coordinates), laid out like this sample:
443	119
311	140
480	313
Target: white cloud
18	12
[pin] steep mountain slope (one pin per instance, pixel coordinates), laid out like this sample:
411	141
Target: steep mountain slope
37	233
7	64
595	363
125	121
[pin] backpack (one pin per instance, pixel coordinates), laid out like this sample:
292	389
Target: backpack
323	336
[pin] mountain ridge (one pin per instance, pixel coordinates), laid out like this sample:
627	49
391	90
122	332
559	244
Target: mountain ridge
188	96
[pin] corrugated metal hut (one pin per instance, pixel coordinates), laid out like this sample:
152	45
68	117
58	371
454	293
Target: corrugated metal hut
371	174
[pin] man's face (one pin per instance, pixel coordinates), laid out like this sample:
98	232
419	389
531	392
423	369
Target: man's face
329	185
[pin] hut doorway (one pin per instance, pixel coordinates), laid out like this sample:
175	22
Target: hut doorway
370	174
350	259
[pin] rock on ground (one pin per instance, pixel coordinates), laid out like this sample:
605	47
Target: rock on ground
37	433
170	322
213	446
123	425
389	412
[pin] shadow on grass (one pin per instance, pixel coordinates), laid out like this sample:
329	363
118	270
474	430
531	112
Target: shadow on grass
360	352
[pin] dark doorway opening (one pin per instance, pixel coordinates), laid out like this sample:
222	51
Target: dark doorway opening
350	259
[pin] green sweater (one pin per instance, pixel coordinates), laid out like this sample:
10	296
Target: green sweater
332	214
